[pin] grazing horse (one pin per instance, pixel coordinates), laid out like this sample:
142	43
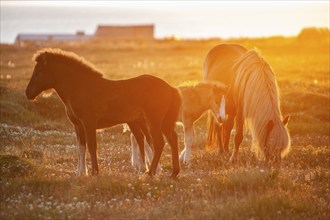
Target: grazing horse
252	97
93	102
195	101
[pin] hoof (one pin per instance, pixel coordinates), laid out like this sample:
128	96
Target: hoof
233	159
175	173
142	170
149	173
186	162
145	176
174	177
95	172
223	155
81	173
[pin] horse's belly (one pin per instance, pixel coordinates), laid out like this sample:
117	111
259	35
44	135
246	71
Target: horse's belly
119	115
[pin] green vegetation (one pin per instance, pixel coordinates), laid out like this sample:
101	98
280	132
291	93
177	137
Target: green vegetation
38	157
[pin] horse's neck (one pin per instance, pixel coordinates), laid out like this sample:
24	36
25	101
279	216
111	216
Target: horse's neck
200	104
62	87
68	85
204	97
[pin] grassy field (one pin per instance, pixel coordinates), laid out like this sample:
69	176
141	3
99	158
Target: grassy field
38	156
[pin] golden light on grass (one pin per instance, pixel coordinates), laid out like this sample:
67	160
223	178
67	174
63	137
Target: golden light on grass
38	155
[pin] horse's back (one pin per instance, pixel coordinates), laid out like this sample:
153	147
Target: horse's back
155	93
219	62
151	85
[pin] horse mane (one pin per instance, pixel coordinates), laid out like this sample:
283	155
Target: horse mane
55	54
256	93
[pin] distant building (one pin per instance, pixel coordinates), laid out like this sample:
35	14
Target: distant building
41	39
117	33
134	32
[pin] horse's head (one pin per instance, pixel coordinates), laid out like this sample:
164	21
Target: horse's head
218	102
41	79
277	142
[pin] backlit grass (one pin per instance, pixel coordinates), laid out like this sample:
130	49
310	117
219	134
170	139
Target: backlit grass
38	156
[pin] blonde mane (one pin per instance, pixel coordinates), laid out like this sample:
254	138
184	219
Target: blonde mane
55	54
256	93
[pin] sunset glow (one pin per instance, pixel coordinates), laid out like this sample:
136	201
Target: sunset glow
165	109
184	19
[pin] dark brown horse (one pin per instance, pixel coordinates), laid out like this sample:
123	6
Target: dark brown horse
253	98
93	102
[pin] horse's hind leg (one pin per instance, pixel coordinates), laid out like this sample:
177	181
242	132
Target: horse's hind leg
140	141
158	143
219	130
149	148
172	138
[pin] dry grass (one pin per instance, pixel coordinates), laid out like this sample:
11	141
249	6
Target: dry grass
38	156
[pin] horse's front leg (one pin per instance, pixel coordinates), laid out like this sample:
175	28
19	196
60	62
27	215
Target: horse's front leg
189	141
238	138
226	129
81	148
81	142
90	134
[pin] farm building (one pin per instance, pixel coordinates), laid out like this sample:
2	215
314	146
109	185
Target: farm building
117	33
134	32
41	39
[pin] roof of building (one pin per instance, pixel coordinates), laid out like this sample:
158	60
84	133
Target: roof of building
59	37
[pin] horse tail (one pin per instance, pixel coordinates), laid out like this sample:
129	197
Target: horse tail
172	114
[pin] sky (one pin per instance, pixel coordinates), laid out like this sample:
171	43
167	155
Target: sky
186	19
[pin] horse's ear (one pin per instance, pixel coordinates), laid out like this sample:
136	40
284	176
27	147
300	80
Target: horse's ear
286	120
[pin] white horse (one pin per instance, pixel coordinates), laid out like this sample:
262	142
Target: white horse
196	100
